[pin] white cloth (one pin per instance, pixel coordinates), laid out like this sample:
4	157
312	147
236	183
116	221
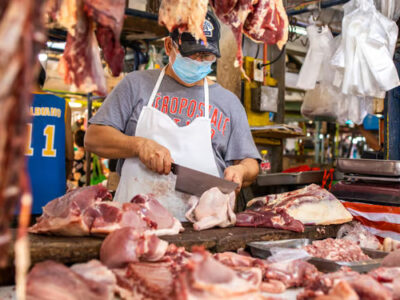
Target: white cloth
317	58
190	146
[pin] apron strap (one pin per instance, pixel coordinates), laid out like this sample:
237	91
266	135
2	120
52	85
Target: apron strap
156	87
206	99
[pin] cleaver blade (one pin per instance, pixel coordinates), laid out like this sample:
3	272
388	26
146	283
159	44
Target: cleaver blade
194	182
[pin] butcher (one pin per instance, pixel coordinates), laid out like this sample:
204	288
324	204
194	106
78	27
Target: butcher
176	114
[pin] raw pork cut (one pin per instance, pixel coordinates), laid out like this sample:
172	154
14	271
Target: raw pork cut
336	250
392	259
275	218
184	15
311	205
213	208
126	245
152	280
206	278
83	211
51	280
63	215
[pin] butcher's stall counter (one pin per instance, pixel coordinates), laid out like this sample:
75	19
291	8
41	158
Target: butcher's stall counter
70	250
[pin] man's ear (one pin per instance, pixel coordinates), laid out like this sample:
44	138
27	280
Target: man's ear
168	44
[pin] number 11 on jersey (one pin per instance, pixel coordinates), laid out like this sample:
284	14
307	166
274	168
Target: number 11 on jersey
48	150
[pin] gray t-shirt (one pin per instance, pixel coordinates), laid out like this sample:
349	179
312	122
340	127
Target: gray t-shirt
231	136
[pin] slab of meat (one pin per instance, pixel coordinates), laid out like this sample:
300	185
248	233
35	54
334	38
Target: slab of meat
311	205
109	17
81	64
389	277
234	13
206	278
268	23
84	211
152	280
336	250
264	21
392	259
184	15
126	245
51	280
341	291
213	208
365	286
274	218
63	215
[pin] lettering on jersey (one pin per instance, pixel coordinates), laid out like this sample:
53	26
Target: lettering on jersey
180	109
45	111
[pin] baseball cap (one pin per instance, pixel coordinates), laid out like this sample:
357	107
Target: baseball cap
188	45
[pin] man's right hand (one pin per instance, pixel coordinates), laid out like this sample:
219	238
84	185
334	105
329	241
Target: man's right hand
154	156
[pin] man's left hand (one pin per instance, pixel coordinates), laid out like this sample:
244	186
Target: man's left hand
235	174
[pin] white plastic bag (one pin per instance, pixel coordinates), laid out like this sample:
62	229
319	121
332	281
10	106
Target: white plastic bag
317	57
320	102
287	254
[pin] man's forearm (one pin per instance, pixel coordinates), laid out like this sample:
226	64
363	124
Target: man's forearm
251	170
108	142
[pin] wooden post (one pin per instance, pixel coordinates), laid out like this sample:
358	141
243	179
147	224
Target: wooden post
227	74
278	70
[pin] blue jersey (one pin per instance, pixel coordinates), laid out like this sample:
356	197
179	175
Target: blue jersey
46	149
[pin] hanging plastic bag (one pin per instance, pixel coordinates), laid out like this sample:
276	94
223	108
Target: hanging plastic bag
97	175
320	102
317	57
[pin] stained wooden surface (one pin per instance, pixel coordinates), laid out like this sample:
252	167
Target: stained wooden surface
71	250
79	249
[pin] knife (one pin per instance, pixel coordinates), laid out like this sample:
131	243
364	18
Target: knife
194	182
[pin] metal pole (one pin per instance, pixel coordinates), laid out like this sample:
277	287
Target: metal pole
392	118
87	153
324	4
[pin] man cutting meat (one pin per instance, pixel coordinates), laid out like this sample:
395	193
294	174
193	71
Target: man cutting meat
156	117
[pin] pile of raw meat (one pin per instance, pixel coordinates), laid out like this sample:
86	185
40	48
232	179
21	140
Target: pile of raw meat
311	205
86	211
336	250
379	284
141	266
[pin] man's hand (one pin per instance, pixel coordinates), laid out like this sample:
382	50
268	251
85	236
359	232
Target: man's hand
154	156
235	174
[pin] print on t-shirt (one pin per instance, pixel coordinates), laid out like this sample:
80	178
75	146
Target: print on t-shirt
176	107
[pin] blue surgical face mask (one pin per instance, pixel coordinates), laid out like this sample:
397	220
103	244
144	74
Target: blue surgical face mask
189	70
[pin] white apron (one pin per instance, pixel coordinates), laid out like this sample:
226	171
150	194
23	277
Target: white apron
190	146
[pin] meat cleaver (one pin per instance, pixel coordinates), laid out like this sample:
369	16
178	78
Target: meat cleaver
194	182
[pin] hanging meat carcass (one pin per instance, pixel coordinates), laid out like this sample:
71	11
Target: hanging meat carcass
81	63
21	37
264	21
186	15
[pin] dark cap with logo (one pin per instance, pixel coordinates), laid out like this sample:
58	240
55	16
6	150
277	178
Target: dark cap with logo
188	45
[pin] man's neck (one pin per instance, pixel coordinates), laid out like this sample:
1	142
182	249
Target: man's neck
170	72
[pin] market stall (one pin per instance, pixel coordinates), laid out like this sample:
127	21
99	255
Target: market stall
221	149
